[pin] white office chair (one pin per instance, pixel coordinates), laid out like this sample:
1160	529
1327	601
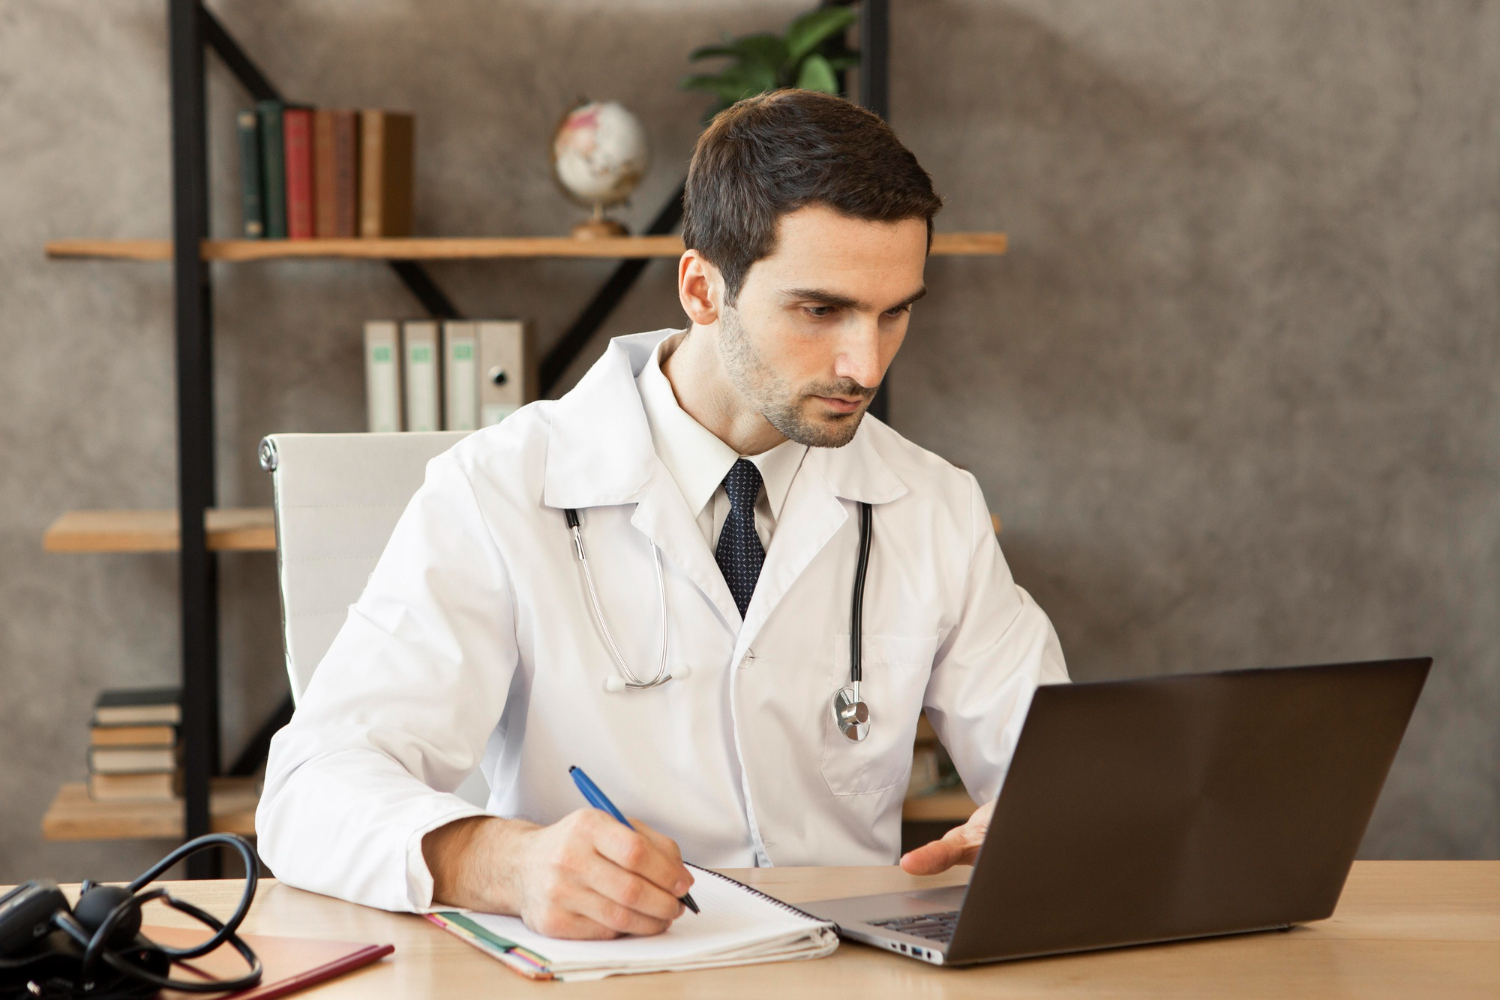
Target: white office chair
337	500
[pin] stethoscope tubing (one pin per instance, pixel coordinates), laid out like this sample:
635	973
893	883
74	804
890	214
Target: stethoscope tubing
857	611
624	672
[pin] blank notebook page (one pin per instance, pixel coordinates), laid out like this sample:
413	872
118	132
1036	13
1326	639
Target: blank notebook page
736	922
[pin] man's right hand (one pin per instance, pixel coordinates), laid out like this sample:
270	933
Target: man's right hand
585	876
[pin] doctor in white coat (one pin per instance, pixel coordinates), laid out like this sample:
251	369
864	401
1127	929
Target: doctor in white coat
716	475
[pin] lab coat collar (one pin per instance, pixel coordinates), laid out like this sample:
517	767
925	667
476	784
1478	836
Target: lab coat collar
858	471
599	448
599	453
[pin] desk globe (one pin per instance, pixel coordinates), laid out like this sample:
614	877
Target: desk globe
599	155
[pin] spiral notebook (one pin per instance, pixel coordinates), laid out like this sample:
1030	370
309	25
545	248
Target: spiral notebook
738	926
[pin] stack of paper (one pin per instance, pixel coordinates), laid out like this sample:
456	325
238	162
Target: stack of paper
738	926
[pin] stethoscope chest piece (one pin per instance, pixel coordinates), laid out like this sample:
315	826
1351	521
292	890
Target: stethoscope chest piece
851	713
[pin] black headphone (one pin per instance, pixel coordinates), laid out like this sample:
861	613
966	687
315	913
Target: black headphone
95	949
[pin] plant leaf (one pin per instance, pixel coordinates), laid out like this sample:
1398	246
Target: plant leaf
816	74
712	52
763	50
807	32
730	86
848	60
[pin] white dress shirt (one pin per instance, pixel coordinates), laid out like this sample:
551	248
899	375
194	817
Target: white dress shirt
699	461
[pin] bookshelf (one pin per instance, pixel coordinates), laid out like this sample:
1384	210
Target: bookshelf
73	815
199	529
248	529
449	248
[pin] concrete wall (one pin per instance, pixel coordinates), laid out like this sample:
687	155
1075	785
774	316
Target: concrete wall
1232	390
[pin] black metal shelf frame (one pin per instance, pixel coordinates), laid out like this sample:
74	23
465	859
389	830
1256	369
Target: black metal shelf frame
192	27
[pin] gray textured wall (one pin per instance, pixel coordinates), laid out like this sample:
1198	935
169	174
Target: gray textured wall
1232	391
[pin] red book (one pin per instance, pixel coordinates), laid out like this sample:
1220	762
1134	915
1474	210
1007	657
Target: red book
291	964
296	126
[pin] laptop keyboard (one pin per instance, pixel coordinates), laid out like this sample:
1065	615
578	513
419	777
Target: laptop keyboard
932	926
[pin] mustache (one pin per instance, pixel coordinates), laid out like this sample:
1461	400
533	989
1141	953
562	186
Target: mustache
841	387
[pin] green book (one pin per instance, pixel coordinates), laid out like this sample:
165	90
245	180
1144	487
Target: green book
248	124
273	168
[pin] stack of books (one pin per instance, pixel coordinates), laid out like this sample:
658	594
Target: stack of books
319	173
456	375
134	753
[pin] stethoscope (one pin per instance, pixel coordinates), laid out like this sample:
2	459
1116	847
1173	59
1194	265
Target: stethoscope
849	709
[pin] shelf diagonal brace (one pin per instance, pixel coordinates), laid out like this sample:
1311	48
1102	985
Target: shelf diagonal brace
605	301
239	63
412	274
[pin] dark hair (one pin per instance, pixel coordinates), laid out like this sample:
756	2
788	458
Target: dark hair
773	154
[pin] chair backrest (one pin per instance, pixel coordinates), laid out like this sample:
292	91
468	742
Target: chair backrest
338	497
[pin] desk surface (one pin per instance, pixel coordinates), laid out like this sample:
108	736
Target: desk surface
1402	929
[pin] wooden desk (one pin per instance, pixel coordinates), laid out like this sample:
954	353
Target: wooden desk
1403	929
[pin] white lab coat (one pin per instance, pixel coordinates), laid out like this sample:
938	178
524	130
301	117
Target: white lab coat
474	645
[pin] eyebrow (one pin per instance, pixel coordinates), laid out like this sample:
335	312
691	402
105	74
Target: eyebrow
843	301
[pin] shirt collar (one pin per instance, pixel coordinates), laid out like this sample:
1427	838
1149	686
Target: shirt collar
697	459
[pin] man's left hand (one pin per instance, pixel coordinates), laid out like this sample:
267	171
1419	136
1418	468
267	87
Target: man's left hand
959	846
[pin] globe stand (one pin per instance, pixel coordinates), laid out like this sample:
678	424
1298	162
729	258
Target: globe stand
599	227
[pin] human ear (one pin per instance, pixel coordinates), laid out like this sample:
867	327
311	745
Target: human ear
700	288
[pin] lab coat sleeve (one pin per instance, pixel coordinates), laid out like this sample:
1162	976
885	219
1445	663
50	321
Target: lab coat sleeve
399	710
989	664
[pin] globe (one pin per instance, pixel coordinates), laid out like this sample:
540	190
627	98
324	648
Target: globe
599	155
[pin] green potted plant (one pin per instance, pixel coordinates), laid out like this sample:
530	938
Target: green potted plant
808	56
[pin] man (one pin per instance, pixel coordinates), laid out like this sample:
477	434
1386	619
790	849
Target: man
717	476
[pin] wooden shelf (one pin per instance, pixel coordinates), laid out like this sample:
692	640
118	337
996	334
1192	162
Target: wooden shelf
450	248
938	807
75	816
251	529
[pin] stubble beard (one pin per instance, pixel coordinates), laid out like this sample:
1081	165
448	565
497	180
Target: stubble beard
778	401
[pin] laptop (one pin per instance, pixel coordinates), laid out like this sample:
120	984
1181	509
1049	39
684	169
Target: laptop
1161	809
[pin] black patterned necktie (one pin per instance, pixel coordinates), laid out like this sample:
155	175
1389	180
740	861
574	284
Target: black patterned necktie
739	553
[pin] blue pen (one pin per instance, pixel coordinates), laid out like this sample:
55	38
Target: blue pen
600	801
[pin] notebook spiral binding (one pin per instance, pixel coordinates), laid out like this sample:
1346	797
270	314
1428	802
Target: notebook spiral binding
756	892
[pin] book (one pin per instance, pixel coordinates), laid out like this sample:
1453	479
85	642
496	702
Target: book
273	168
386	171
138	706
336	173
253	227
460	376
738	926
507	368
133	736
382	376
132	760
421	372
155	787
289	963
297	149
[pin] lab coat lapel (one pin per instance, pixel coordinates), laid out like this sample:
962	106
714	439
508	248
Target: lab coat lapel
814	512
663	516
599	453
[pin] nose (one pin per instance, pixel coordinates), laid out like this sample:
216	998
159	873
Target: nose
859	356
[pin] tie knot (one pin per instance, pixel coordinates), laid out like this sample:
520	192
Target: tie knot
743	485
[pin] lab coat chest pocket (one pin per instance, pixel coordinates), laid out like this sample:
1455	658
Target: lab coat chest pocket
896	669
